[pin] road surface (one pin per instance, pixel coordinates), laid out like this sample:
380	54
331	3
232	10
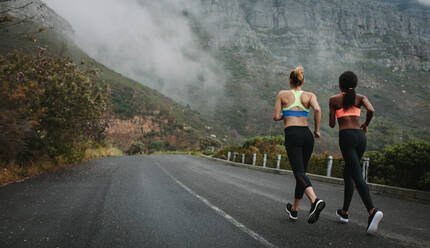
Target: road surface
186	201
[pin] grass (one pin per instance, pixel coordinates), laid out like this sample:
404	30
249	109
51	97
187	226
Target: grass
193	152
11	174
18	173
100	152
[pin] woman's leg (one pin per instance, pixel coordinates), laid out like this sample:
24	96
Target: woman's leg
361	185
352	144
347	177
308	148
296	161
294	140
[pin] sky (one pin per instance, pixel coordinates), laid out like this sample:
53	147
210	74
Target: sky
149	41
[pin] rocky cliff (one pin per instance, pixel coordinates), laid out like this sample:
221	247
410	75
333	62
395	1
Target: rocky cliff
391	33
36	11
387	43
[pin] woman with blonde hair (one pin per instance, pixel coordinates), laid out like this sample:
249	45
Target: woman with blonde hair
352	141
292	106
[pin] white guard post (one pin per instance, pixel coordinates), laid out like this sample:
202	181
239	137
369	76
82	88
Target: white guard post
265	160
329	165
366	163
278	164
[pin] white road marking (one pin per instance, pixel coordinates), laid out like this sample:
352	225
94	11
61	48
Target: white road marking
220	212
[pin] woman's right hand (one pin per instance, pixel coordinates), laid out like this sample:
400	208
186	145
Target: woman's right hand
317	134
364	127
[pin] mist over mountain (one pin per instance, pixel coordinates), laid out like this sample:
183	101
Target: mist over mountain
136	113
228	58
149	41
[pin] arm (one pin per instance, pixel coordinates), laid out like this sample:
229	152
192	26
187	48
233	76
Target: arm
369	114
317	115
277	112
332	120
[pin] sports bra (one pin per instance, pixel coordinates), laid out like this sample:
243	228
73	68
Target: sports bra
351	111
297	103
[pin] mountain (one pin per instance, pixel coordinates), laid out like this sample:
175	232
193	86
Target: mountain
240	52
387	44
138	113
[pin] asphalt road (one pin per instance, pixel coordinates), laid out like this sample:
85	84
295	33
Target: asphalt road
184	201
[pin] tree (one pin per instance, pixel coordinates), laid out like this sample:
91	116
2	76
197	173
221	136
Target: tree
48	105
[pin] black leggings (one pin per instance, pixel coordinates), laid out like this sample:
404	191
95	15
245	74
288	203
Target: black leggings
352	144
299	143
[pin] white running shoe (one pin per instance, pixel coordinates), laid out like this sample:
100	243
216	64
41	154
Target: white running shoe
374	220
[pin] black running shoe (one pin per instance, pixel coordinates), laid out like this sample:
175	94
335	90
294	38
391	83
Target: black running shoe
315	211
342	217
374	219
292	214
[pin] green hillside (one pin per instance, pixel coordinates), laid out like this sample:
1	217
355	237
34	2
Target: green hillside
137	113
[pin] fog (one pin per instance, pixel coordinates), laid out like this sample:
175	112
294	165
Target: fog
149	41
425	2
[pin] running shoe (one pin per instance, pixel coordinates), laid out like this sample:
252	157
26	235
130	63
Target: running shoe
374	220
342	217
291	214
315	211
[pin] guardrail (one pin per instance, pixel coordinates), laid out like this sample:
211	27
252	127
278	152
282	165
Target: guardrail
365	166
396	192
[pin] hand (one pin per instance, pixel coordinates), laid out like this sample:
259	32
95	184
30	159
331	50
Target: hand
317	134
364	127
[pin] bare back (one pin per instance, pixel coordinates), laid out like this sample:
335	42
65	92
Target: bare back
347	122
287	99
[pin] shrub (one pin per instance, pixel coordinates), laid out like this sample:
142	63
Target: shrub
403	165
410	162
48	106
136	148
209	144
159	145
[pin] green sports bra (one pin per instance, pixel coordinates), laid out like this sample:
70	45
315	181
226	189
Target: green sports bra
297	103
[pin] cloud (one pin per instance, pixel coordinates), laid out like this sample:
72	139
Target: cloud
149	41
425	2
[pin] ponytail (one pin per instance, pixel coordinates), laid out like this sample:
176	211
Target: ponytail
347	82
297	76
348	98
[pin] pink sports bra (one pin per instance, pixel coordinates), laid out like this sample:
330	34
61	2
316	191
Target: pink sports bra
351	111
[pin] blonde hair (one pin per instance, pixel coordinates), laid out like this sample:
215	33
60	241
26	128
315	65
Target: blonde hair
297	76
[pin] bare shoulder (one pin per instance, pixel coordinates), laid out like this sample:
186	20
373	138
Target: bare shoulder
361	97
309	94
335	98
283	92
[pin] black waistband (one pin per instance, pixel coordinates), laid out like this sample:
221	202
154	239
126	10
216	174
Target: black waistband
296	128
352	130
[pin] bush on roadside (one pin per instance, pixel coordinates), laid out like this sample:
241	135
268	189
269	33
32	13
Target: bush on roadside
159	145
48	106
403	165
136	148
